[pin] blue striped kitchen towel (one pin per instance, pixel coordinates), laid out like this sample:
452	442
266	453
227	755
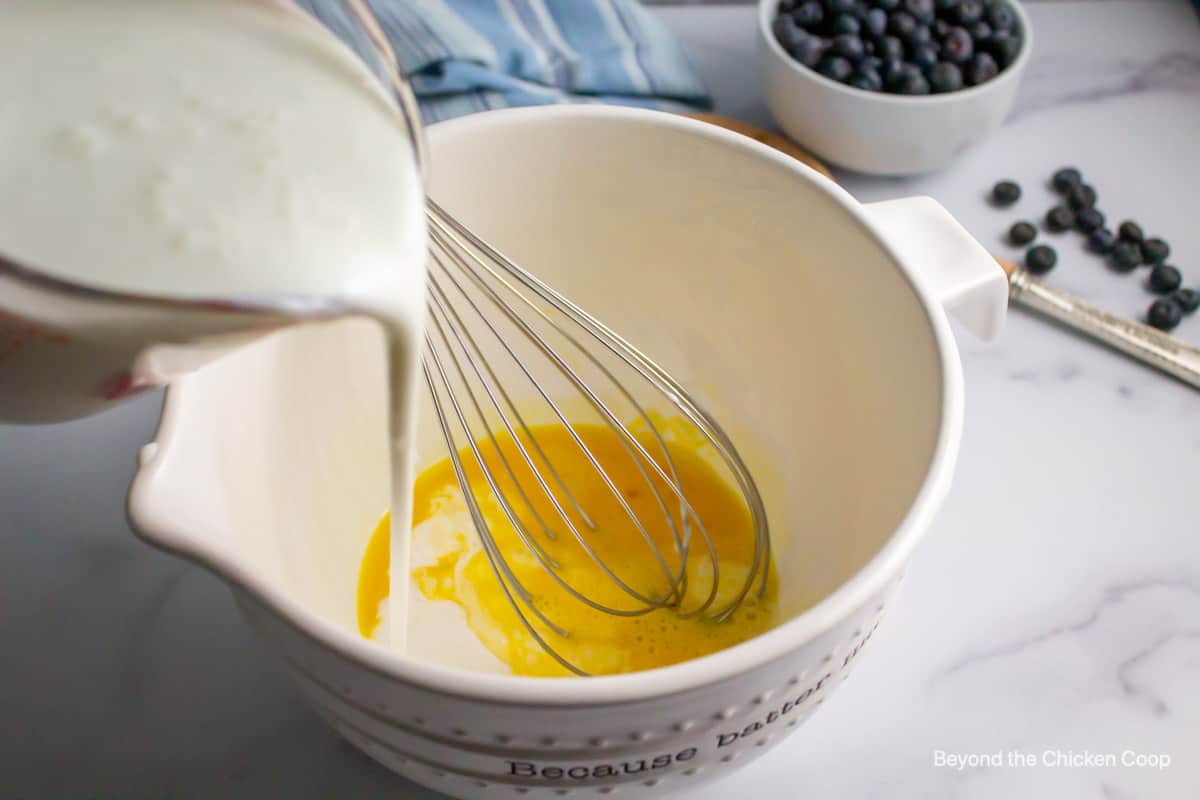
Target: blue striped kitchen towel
464	56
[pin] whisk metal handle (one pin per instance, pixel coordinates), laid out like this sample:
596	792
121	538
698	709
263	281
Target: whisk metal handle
1146	344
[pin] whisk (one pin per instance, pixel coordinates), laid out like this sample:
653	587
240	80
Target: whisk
487	316
483	310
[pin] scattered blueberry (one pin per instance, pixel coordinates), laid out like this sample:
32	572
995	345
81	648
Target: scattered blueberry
1022	233
1165	279
982	69
1130	231
809	15
925	58
1005	47
1059	219
845	24
1126	256
1065	178
947	77
1155	251
848	46
1089	220
957	46
1188	300
969	11
1081	196
876	22
835	68
1005	193
1164	314
1040	259
1102	241
1001	17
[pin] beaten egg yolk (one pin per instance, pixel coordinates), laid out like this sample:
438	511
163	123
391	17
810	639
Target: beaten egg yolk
599	643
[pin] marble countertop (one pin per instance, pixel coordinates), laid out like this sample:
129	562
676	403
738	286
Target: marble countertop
1055	606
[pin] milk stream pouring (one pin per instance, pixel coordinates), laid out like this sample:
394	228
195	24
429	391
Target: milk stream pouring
178	178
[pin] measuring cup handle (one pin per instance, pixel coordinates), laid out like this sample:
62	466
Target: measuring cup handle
946	260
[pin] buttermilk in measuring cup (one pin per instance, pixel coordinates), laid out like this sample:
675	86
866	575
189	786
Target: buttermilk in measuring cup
212	148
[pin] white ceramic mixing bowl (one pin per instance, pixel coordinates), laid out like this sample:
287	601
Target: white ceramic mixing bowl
812	326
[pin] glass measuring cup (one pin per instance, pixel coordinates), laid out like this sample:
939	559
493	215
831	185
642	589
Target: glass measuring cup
68	349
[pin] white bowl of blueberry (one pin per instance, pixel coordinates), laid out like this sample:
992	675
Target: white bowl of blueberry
891	87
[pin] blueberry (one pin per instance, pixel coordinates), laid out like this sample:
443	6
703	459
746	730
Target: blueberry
925	57
922	10
1155	251
957	47
1005	193
1065	178
968	12
914	83
920	37
1022	233
1059	219
876	22
887	5
1081	196
1001	17
980	32
809	15
1130	231
836	68
1126	256
893	73
1040	259
861	7
848	46
868	80
1164	279
835	7
1004	47
873	63
946	77
982	69
1102	241
787	33
808	50
1088	220
902	24
1164	314
845	24
944	6
889	48
941	28
1188	300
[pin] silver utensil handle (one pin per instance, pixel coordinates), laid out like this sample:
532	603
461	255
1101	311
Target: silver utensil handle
1133	338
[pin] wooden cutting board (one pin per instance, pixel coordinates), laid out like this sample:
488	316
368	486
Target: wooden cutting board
781	143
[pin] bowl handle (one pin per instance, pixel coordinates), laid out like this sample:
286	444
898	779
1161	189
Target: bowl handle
947	260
